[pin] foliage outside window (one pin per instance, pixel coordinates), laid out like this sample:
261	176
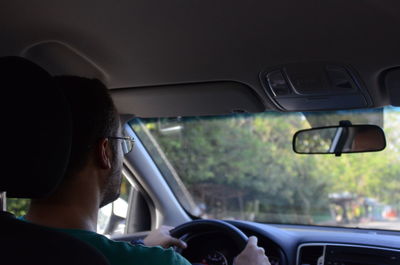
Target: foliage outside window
243	167
18	207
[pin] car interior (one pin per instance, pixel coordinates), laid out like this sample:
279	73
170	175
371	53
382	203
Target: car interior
227	102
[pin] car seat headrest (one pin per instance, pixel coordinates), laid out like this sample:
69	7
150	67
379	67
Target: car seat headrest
40	129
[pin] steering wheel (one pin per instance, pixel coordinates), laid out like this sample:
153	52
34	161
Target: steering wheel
201	226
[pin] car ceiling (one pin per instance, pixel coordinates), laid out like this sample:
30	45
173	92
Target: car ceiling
149	43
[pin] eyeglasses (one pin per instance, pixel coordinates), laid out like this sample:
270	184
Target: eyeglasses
127	143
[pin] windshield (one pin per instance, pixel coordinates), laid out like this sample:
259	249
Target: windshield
243	167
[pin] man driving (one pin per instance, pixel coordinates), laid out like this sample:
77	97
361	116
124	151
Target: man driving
93	179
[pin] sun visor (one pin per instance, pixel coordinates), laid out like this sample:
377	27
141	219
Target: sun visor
315	87
188	100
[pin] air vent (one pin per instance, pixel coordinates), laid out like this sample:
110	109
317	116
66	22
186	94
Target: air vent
331	254
311	255
360	256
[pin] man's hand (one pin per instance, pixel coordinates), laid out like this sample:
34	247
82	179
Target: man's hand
252	254
161	237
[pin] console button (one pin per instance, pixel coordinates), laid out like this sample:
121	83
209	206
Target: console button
278	84
340	78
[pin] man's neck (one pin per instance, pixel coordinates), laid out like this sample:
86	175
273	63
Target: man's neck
61	217
74	207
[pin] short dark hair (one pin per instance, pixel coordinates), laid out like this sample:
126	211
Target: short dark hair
94	116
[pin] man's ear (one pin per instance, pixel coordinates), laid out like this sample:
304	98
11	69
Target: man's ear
104	153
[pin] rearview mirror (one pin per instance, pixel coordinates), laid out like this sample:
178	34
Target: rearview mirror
345	138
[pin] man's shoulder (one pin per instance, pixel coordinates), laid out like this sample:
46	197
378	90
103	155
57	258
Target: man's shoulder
118	252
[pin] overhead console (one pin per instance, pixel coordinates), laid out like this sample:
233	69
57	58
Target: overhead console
315	86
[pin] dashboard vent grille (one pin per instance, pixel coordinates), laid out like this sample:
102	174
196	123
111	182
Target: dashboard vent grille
338	254
310	255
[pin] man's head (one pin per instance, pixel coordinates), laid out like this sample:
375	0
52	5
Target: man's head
95	119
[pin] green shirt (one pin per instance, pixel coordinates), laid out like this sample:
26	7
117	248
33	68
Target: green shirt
121	253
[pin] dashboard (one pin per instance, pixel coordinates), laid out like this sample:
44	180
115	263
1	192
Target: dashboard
297	245
314	245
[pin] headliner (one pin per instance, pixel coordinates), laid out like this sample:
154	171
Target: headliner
150	43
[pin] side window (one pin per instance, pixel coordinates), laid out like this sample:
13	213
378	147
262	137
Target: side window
18	207
130	213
